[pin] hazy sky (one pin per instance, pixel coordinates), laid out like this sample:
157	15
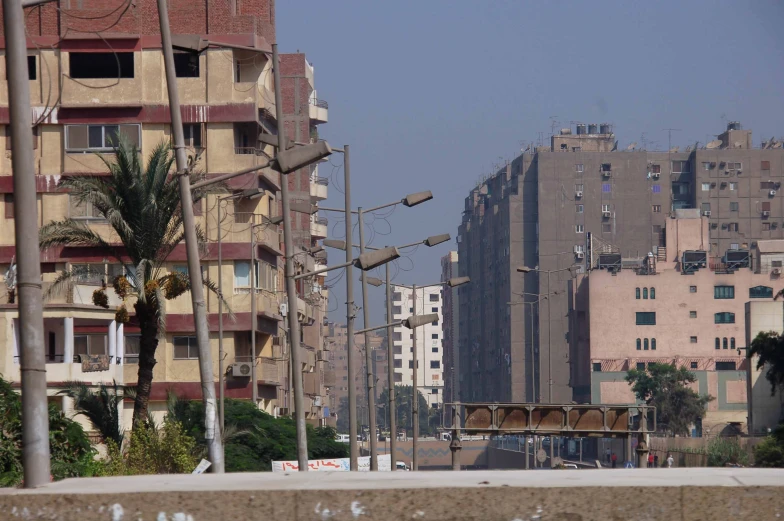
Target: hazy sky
431	94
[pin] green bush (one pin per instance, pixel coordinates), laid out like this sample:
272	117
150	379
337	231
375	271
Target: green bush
726	451
70	449
770	452
152	450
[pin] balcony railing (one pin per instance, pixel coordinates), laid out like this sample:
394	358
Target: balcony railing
320	220
323	181
320	103
249	151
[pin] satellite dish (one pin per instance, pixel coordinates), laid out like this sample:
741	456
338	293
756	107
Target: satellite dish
674	149
632	146
777	144
688	148
615	147
716	143
737	144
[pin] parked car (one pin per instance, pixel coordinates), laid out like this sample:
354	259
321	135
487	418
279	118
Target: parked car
401	465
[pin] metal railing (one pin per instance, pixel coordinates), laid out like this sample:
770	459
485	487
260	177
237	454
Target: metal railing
323	181
320	103
320	220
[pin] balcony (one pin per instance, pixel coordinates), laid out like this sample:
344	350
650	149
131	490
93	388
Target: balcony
267	372
318	227
318	188
319	111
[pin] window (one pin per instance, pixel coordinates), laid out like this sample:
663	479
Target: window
692	314
692	289
411	364
579	167
579	248
723	292
9	141
734	246
681	167
605	208
657	189
653	293
186	65
733	227
398	364
705	207
434	391
733	206
764	165
606	228
606	167
435	322
435	364
645	344
725	366
693	339
724	318
91	138
637	293
89	274
132	343
641	366
732	343
724	343
434	350
266	276
705	187
655	169
639	345
733	185
186	348
718	343
434	310
398	350
693	365
89	345
578	208
606	188
706	165
82	210
646	318
597	367
410	310
32	69
734	166
90	65
578	188
767	185
241	274
396	296
775	264
398	377
192	133
765	227
761	292
645	293
434	336
434	297
656	208
397	335
396	310
579	228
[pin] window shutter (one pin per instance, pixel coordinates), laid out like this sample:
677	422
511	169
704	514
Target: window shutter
8	199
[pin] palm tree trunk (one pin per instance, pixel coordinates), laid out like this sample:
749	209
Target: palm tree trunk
148	343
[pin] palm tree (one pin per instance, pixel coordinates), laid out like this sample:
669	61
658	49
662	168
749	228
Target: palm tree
101	407
142	205
769	348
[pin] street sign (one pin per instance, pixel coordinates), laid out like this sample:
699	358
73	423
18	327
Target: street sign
541	456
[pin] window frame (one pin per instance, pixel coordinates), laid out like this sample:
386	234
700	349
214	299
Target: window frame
645	318
768	293
723	292
103	148
189	347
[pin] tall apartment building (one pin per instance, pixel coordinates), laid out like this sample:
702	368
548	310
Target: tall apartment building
116	85
336	341
450	329
537	212
430	374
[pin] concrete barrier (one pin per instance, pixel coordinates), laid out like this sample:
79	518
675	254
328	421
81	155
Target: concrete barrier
565	495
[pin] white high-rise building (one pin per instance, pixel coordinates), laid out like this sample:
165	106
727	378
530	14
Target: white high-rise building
430	378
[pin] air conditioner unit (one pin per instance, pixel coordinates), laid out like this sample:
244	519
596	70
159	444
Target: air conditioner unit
241	369
714	225
606	214
776	271
317	401
283	411
578	193
579	255
772	193
739	172
321	356
606	173
577	249
706	213
765	213
655	175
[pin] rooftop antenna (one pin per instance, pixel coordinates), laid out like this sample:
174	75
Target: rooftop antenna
632	146
669	137
643	141
673	150
553	124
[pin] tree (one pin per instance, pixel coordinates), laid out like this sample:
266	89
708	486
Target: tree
770	452
101	407
665	387
70	452
403	405
769	348
142	205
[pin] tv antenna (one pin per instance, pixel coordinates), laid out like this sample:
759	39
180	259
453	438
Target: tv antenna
669	137
553	123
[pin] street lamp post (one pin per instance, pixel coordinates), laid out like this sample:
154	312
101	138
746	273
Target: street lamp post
526	269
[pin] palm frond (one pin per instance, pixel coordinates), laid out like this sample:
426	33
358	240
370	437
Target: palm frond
70	232
63	281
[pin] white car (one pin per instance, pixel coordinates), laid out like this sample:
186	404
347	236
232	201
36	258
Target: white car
401	465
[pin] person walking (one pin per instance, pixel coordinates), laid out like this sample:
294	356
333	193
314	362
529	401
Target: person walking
670	461
650	460
656	461
607	455
614	460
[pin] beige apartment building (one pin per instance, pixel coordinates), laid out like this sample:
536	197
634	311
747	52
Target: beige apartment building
674	306
115	85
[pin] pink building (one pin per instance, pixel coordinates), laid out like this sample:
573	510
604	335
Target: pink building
672	306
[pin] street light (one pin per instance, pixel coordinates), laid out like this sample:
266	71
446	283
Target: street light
373	281
452	283
526	269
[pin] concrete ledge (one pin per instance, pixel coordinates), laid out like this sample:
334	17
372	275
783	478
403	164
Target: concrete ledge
565	495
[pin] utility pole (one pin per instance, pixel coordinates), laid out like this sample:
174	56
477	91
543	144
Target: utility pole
291	286
391	377
352	391
211	421
371	399
253	319
415	394
35	409
221	370
549	347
